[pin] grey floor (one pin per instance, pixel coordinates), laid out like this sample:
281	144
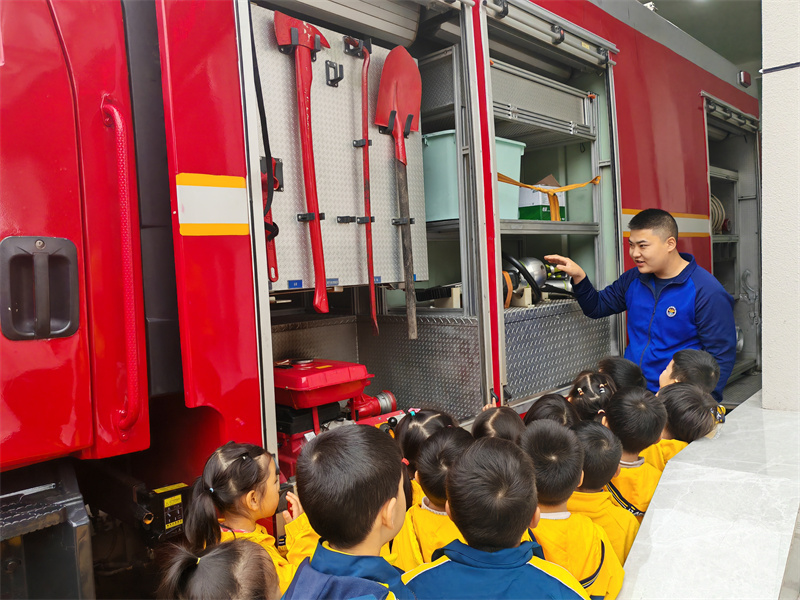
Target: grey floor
740	390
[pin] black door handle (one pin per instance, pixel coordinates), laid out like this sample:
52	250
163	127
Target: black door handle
39	296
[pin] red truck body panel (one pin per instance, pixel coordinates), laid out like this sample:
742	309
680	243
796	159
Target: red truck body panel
205	148
660	120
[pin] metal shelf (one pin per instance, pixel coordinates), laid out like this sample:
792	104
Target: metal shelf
522	227
720	173
724	238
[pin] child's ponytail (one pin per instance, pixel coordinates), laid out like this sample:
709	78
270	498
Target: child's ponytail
239	569
590	394
177	572
202	527
231	471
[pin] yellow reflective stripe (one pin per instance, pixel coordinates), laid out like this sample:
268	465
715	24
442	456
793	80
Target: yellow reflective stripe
212	205
682	234
204	180
214	229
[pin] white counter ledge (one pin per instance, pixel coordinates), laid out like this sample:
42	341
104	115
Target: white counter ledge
722	519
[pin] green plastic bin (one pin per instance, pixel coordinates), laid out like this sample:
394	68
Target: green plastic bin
440	166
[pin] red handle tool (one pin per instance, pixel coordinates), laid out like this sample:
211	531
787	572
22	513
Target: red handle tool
367	206
295	36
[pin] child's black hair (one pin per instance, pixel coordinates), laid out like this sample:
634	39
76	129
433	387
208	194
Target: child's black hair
416	427
636	417
691	411
555	408
500	422
624	372
491	492
590	393
557	459
344	478
659	221
602	452
231	471
696	367
436	457
238	569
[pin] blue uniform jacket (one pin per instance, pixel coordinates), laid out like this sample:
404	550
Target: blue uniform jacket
338	576
692	312
459	571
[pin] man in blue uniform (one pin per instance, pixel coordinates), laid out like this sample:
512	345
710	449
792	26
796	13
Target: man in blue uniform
672	302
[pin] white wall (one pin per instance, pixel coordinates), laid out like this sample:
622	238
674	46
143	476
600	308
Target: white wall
781	204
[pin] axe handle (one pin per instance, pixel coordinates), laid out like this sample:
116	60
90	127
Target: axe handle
405	234
302	59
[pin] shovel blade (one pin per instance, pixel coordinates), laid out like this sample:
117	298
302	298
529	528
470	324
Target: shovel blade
400	90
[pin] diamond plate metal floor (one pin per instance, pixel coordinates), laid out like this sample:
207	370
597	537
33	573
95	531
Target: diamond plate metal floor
740	390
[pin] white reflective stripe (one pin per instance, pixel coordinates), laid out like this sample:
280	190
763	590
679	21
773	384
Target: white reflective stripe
206	205
689	225
693	225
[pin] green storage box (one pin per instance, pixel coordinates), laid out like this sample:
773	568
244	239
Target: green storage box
440	165
535	206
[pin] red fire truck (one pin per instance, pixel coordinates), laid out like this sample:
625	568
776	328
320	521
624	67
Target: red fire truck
149	315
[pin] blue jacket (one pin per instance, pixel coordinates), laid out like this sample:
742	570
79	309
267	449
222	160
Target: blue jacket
692	312
334	575
459	571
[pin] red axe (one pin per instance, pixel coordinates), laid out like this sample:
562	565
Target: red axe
304	40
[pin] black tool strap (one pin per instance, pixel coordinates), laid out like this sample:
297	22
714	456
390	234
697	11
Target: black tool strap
271	228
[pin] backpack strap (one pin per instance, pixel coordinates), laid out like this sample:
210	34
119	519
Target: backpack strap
593	577
623	502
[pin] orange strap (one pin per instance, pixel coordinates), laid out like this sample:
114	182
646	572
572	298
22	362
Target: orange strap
507	277
555	213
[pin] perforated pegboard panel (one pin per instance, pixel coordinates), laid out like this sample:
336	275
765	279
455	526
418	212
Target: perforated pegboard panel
441	369
333	339
548	344
336	122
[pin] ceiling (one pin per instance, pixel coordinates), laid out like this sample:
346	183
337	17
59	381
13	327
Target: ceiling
731	28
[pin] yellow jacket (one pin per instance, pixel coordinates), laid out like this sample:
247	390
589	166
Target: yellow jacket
424	530
574	542
301	541
417	493
620	526
634	487
659	453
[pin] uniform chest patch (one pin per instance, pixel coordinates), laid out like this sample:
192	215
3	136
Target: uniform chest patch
671	311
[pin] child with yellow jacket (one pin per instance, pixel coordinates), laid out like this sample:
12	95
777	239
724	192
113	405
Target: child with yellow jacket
569	539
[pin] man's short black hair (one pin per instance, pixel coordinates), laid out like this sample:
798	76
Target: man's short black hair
602	452
436	457
696	367
660	221
555	408
590	393
491	492
500	422
624	372
345	476
557	459
636	417
690	411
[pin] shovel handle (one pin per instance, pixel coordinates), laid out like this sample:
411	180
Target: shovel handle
405	235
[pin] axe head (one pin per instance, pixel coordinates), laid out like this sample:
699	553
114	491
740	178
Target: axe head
306	34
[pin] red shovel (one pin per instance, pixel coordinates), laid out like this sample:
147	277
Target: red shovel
399	97
295	36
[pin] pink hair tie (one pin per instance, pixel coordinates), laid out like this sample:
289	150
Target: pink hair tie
404	461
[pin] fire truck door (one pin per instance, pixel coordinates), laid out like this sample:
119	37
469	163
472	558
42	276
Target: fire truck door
45	396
